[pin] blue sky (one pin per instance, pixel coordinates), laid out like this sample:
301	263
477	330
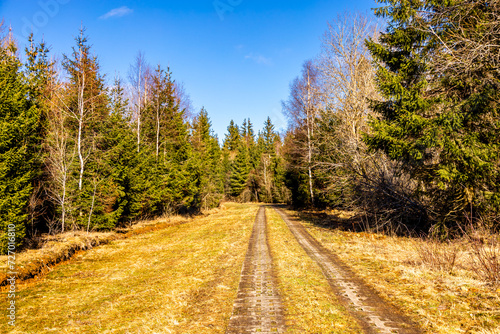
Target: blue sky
235	57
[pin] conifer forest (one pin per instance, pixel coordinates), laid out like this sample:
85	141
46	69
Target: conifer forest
397	119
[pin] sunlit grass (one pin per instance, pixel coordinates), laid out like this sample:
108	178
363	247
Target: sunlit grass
182	279
310	304
442	301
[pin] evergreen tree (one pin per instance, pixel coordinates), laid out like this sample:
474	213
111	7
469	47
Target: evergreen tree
40	75
239	172
438	123
465	73
271	168
404	131
19	146
401	68
208	156
123	188
233	137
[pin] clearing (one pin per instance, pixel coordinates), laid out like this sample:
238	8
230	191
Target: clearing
247	268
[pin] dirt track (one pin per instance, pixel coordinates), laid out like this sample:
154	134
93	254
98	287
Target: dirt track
373	313
257	308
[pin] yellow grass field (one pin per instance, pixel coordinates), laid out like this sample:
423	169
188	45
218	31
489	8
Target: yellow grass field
443	302
310	306
182	279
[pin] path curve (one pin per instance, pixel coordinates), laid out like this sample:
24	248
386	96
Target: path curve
258	307
374	314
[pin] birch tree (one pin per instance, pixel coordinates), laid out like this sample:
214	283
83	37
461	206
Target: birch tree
139	74
86	103
302	110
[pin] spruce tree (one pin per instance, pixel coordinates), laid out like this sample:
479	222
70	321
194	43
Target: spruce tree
239	171
208	161
233	137
400	57
40	75
465	72
439	123
123	188
404	129
19	146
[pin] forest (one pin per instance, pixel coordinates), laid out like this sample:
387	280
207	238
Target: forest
396	120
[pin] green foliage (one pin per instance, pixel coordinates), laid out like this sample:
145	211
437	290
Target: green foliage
440	123
233	137
19	146
207	158
239	171
123	188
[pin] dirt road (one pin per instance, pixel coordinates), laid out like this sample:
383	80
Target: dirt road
373	313
257	308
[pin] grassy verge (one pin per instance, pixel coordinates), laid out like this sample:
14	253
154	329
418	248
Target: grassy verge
181	279
310	306
443	299
33	263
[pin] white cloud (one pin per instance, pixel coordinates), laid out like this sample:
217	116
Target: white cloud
259	59
117	12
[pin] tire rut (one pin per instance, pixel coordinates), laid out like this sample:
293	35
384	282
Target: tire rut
374	314
258	307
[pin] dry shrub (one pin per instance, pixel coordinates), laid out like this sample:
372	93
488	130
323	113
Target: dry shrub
484	252
439	255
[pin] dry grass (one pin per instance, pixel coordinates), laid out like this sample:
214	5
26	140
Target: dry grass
310	305
438	255
434	283
181	279
61	247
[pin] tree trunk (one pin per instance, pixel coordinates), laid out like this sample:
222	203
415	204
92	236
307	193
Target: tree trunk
81	107
309	121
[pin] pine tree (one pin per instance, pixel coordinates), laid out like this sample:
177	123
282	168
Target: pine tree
122	190
233	137
208	160
438	123
19	146
239	172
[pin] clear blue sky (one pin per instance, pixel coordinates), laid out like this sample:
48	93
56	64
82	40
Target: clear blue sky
237	60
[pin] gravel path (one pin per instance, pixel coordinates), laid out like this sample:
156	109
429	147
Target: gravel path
257	308
373	313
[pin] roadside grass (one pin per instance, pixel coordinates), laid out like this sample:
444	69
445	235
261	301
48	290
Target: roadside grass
432	283
54	249
181	279
309	303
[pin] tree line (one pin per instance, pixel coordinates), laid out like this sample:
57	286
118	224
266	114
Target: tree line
402	125
78	153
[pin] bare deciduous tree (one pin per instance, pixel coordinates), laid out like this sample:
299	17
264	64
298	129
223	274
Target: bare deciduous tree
302	109
138	76
469	36
348	84
60	156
